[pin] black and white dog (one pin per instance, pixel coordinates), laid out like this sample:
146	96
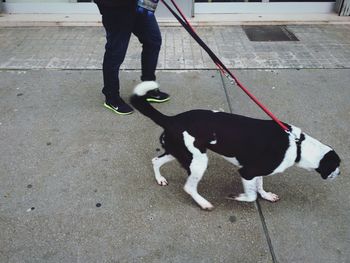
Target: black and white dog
257	147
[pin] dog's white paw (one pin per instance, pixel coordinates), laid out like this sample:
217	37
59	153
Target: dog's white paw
207	206
245	198
270	196
162	181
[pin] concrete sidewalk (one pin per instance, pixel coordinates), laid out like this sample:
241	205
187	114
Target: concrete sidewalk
319	46
77	183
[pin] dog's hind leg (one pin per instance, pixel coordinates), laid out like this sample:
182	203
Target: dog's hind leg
157	163
265	195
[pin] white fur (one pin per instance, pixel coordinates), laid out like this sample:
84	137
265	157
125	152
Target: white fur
145	86
265	195
213	142
157	163
334	174
312	152
250	189
291	153
197	168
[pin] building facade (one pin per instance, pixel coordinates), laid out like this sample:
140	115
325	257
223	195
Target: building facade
190	7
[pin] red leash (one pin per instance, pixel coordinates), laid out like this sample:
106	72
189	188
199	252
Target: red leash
224	70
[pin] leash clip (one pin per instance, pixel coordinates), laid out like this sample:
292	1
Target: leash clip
296	139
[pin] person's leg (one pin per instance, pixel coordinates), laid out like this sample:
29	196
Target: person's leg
147	31
118	23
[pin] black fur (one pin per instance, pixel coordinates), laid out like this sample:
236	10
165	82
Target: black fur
258	145
328	164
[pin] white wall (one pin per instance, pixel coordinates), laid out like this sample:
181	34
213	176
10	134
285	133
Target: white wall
39	1
71	7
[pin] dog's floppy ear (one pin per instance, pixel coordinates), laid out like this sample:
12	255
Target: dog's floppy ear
328	164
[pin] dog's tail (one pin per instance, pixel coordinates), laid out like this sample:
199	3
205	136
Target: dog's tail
139	101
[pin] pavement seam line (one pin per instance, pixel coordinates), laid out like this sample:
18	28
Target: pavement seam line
257	204
174	69
226	93
266	231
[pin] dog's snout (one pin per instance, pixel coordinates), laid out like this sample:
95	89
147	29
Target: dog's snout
337	171
335	174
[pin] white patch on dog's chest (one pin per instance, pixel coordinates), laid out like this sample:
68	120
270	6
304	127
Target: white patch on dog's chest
288	160
291	153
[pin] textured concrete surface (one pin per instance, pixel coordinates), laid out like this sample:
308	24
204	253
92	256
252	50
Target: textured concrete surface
63	153
320	46
311	221
76	180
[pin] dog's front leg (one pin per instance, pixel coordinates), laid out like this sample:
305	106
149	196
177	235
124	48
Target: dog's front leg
265	195
250	189
157	163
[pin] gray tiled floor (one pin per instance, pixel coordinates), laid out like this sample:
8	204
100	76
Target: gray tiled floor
320	46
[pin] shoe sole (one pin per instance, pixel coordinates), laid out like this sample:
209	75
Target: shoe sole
157	100
115	111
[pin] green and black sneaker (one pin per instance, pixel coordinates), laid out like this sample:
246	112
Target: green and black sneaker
157	96
120	107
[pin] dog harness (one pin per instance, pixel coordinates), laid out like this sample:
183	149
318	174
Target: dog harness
298	143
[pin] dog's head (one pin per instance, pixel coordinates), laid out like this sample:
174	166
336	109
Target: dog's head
329	165
320	157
